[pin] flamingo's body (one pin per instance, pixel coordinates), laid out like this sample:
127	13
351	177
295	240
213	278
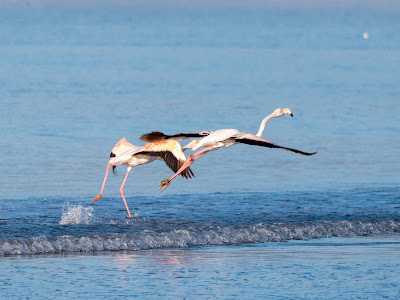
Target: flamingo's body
221	139
124	153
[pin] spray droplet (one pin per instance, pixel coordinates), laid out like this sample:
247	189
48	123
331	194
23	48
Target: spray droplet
366	35
76	215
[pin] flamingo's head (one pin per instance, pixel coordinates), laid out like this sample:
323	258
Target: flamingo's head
279	112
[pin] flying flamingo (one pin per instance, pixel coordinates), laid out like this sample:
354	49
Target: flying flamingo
124	153
222	138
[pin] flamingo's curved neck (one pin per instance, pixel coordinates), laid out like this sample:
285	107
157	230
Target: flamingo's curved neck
262	125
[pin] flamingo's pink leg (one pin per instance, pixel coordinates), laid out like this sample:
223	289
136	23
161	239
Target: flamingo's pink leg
104	183
164	183
191	160
121	190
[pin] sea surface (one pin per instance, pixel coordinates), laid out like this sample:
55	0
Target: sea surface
253	222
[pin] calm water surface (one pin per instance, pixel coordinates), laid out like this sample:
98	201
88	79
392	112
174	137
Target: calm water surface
329	269
74	82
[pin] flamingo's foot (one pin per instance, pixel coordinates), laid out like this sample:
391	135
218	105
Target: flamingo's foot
129	217
164	184
97	197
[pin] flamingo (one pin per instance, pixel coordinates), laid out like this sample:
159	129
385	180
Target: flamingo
222	138
124	153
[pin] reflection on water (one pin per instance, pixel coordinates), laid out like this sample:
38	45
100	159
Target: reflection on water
162	259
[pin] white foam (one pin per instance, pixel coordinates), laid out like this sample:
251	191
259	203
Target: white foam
181	238
76	214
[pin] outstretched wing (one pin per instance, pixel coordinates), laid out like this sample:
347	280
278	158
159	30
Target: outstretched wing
171	161
251	139
158	136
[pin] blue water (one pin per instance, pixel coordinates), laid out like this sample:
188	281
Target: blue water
254	221
330	269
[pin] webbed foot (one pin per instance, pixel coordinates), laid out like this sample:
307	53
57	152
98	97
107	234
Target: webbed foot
164	184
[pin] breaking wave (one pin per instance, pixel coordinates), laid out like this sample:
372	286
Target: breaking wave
180	238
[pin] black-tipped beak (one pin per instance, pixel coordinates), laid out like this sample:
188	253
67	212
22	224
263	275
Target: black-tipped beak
291	115
112	155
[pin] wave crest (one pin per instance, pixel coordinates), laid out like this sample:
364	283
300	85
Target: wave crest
182	238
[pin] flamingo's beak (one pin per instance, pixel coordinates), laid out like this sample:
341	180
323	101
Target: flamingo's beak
291	115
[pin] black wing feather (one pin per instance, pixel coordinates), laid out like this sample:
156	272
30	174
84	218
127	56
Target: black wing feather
171	161
159	136
251	139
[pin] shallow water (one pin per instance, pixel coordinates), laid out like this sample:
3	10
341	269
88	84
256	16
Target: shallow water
327	268
74	82
57	225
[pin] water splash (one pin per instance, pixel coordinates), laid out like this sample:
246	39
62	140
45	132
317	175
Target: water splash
76	214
